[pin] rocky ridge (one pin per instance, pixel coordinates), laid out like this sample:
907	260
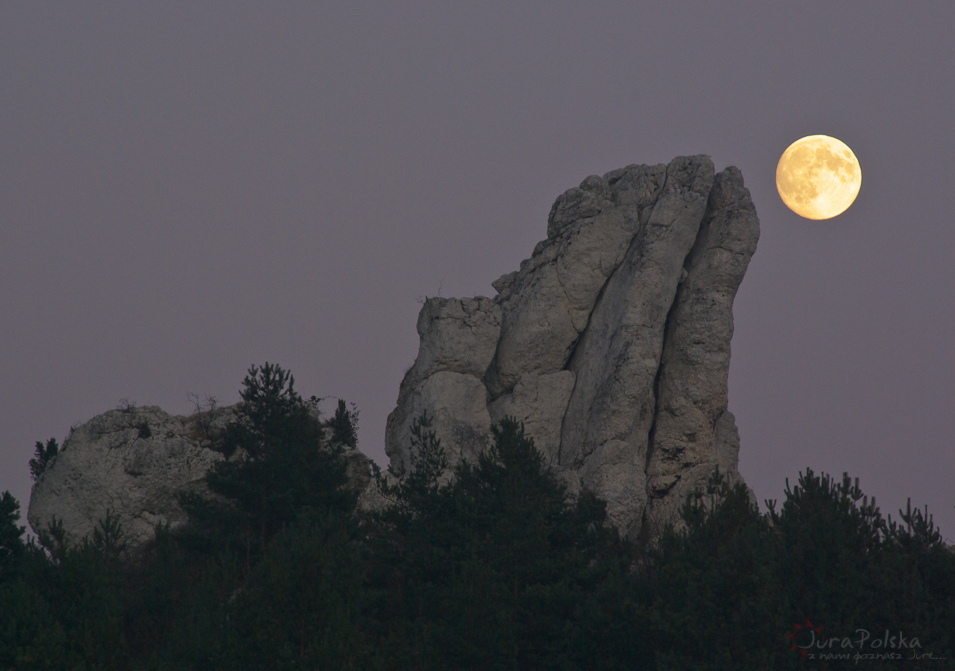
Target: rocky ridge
611	344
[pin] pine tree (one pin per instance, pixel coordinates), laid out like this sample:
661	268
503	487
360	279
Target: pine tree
492	568
284	468
344	425
11	536
831	538
300	607
711	585
43	455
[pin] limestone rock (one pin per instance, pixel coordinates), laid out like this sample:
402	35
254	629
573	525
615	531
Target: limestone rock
546	305
693	430
458	338
457	406
539	402
131	463
357	468
612	342
617	360
456	335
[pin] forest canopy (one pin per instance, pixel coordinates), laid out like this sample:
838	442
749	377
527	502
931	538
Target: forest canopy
494	567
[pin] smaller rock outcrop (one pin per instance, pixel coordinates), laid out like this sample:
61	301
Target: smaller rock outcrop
130	463
133	464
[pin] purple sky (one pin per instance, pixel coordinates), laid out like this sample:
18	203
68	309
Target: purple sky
186	190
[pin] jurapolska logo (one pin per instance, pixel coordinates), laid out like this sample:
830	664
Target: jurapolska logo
809	640
807	628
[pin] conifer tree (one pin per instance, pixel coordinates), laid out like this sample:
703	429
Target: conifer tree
42	456
831	538
491	568
344	425
11	541
712	590
283	469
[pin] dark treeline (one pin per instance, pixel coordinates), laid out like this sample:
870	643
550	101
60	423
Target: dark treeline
494	568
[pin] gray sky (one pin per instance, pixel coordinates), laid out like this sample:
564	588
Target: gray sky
190	188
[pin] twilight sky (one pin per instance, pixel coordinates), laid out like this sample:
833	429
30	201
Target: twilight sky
188	189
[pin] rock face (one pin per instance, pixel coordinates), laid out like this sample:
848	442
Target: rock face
458	338
131	463
611	343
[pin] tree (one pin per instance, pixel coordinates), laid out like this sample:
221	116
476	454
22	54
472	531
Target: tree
11	541
43	455
63	610
417	490
831	538
261	553
711	585
31	635
300	607
344	425
270	412
727	590
284	467
492	568
919	586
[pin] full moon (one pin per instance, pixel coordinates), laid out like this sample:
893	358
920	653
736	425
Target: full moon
818	177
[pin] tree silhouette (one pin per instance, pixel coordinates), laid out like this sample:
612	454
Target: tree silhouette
43	454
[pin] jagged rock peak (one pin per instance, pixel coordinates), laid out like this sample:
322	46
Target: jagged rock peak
611	342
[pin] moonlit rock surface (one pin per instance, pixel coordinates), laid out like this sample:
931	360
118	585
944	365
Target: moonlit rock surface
131	463
611	343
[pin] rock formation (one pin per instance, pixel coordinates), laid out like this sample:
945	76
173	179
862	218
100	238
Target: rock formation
611	343
133	463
